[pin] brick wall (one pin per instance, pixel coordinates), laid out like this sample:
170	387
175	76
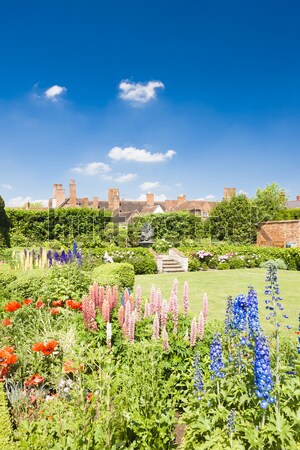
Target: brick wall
279	233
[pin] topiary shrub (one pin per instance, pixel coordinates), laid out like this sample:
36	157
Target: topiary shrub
5	424
28	284
115	274
66	281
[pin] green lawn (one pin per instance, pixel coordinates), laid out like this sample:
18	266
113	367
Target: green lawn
220	284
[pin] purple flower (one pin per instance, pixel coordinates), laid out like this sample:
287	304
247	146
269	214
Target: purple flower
216	362
262	371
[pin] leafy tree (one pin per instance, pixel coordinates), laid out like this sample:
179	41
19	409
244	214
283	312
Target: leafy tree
269	201
4	225
234	220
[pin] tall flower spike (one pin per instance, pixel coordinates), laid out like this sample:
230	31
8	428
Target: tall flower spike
106	311
164	313
155	334
109	297
193	334
262	371
175	312
152	299
121	314
89	313
240	310
158	301
108	335
186	298
198	376
127	313
95	294
131	327
146	311
201	324
138	302
216	361
165	339
101	295
253	320
205	307
115	296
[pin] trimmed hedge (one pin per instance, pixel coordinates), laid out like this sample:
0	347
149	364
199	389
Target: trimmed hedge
115	274
28	284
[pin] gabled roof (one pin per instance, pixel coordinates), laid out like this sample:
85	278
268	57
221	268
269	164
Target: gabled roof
293	204
150	209
79	202
191	205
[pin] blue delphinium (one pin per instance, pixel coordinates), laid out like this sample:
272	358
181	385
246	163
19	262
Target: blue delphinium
198	375
253	320
240	307
273	304
216	362
262	371
229	318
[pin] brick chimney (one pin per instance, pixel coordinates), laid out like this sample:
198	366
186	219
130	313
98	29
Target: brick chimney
86	202
113	198
72	193
229	193
95	203
59	195
298	198
181	198
150	199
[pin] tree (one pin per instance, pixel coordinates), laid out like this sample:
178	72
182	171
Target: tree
4	225
234	220
269	201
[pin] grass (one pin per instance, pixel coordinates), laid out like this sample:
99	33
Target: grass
220	284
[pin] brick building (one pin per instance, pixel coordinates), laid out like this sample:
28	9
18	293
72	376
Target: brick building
280	233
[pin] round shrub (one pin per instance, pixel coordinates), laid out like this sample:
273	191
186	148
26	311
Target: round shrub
213	263
236	263
194	264
66	281
28	284
223	266
115	274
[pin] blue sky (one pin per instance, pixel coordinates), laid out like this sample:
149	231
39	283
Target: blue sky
169	97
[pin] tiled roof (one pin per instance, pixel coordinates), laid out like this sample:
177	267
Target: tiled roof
293	204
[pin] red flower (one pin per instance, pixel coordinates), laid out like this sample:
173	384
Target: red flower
39	304
74	305
49	347
9	349
7	357
38	347
89	396
12	306
4	372
69	367
27	301
54	311
6	322
297	332
34	380
57	303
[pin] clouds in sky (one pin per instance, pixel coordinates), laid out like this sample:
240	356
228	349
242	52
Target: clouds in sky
147	185
54	92
6	186
91	169
139	155
20	201
139	93
126	178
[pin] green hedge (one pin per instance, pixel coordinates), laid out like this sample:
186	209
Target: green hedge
252	256
28	284
115	274
288	214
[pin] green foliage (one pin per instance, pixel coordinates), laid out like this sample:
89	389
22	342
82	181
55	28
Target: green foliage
223	266
4	226
5	424
28	284
194	264
279	263
66	281
288	214
33	227
7	276
236	262
115	274
269	202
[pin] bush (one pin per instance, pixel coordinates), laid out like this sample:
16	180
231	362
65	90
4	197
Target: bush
115	274
7	276
5	424
28	284
223	266
236	263
67	281
194	264
279	263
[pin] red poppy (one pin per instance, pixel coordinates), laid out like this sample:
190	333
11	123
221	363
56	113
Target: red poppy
57	303
7	357
39	304
38	347
49	347
297	332
54	311
27	301
9	349
12	306
74	305
89	396
34	380
6	322
4	372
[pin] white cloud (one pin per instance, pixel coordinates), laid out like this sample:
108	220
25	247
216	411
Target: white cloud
242	192
20	201
126	178
139	155
6	186
54	92
178	184
139	92
147	185
210	197
91	169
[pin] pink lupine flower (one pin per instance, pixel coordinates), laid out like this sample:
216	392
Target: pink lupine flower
109	297
95	294
185	298
101	295
121	314
108	335
201	324
126	296
131	327
164	313
175	312
205	307
158	300
152	299
138	302
155	334
165	339
131	301
193	333
124	330
106	311
186	336
89	313
127	313
146	310
115	296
